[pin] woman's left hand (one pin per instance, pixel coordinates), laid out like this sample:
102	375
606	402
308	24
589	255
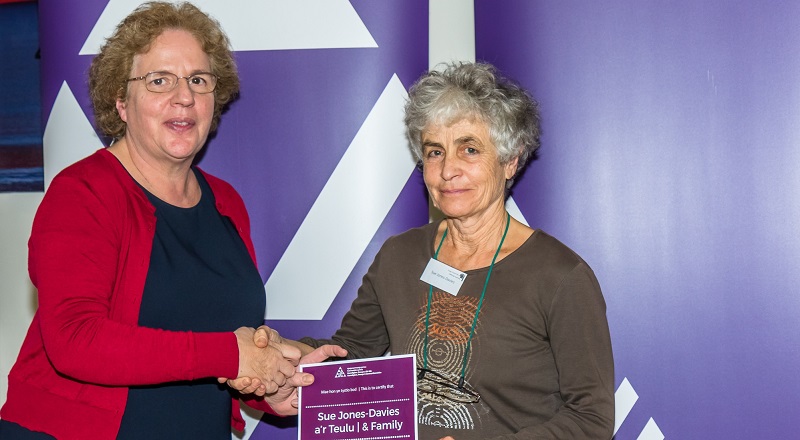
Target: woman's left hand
245	385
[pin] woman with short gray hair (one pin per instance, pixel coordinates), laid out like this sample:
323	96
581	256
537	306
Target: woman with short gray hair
519	348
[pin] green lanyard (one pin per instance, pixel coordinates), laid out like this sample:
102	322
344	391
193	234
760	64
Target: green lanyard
474	320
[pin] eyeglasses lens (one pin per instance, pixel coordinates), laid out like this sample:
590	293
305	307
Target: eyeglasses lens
431	382
162	82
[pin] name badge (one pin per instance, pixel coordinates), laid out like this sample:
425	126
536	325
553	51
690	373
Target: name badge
443	277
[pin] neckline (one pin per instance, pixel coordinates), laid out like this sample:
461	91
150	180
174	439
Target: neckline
147	193
477	311
434	227
154	199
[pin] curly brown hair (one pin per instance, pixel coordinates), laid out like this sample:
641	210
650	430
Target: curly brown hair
111	68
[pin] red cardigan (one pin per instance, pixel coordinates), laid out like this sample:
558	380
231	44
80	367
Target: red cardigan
89	253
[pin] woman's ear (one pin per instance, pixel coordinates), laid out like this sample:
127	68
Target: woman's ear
122	110
511	168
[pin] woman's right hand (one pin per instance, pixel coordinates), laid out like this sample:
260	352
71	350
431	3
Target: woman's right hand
270	364
265	336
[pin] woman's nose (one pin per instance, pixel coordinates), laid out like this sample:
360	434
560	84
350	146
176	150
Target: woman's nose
183	94
451	166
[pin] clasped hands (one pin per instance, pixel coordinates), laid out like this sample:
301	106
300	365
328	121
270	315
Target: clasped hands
279	385
268	366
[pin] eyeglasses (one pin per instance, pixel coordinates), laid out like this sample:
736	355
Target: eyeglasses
431	382
162	82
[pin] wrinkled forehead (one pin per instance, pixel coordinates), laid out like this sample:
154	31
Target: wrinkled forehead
173	49
450	116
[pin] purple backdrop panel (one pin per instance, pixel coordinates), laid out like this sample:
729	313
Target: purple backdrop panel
297	114
278	144
63	29
669	162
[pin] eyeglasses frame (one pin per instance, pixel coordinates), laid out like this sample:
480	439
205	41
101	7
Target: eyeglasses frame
187	78
441	380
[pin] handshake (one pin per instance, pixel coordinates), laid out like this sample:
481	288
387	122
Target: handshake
268	366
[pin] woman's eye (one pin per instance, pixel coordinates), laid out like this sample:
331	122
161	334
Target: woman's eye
197	80
470	150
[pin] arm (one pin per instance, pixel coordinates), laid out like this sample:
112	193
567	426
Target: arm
581	346
89	250
284	401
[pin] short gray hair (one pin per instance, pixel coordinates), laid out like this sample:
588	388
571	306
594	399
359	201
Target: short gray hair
475	90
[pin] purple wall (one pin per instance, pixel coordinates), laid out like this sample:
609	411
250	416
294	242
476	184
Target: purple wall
670	163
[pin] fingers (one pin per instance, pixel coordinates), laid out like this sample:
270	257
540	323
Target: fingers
322	353
261	336
248	385
289	352
271	387
256	388
240	384
264	335
300	379
245	385
266	364
286	367
272	367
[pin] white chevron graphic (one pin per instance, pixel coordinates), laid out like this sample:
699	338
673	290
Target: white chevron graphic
262	24
346	214
651	431
68	135
624	399
513	210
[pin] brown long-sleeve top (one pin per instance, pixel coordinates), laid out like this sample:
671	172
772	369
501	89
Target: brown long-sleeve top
540	357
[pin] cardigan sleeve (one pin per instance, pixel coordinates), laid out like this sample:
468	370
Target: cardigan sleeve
88	257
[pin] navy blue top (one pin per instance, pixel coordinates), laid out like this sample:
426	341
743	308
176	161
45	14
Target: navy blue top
201	278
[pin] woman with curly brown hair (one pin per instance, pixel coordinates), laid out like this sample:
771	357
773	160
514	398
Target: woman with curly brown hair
148	288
